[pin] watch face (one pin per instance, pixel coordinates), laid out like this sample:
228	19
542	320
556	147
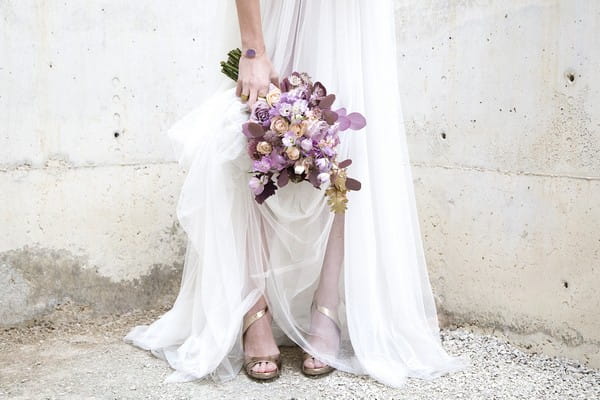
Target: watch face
250	53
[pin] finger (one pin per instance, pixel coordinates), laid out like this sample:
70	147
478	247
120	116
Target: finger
253	95
262	92
238	88
245	93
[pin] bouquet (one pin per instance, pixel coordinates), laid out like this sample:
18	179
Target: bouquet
293	135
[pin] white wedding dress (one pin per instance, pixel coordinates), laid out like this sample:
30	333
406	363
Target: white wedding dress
238	249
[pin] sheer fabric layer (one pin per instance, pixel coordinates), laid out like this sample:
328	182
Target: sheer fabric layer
238	249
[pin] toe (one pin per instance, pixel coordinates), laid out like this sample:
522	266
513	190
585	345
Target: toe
257	367
270	367
309	362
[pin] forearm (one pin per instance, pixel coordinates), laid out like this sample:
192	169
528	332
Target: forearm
250	25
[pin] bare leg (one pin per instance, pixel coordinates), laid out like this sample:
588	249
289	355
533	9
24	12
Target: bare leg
324	334
259	341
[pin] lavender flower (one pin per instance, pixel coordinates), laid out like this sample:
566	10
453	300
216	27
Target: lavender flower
289	139
263	165
278	161
299	107
323	177
256	185
306	144
323	164
284	109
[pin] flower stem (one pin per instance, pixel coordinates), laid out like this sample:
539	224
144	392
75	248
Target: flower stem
231	67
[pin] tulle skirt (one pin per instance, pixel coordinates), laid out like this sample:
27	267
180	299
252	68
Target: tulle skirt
238	250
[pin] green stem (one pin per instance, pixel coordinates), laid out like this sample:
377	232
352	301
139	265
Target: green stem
231	67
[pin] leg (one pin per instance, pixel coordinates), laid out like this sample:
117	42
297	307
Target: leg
258	340
325	336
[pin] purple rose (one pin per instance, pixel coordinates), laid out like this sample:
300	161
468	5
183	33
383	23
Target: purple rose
260	113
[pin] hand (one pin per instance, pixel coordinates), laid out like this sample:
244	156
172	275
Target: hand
254	77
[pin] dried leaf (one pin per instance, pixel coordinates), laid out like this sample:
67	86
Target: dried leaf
339	180
312	178
255	129
352	184
269	190
326	102
336	199
330	117
283	179
344	164
357	121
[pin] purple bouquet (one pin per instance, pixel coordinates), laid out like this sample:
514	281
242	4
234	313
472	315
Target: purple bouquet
293	135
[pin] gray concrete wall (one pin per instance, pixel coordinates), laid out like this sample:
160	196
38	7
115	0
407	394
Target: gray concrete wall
501	107
502	110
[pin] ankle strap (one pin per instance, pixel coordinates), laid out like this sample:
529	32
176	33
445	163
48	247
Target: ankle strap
328	313
249	320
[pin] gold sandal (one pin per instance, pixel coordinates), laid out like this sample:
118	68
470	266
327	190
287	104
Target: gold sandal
313	372
250	362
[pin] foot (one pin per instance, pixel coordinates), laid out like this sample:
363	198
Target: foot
259	341
325	336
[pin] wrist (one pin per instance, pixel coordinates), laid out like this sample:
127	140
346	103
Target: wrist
253	51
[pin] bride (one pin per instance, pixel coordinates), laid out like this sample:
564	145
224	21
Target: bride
350	289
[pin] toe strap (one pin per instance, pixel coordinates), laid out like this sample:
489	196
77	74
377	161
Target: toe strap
252	361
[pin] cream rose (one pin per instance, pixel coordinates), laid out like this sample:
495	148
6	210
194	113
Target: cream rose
304	125
273	97
293	153
264	147
298	129
279	125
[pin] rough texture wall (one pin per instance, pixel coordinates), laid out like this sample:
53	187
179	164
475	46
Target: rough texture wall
501	106
500	103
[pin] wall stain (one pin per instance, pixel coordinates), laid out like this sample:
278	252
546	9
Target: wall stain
523	325
36	279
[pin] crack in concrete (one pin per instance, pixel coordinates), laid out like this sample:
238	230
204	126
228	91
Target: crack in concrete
504	172
54	166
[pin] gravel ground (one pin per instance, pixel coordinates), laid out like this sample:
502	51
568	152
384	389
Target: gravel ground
73	354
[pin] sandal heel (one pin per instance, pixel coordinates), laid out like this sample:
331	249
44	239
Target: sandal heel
250	362
321	371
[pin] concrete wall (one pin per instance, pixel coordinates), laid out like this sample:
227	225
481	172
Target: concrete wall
501	109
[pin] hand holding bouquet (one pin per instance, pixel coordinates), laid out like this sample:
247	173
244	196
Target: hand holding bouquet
293	135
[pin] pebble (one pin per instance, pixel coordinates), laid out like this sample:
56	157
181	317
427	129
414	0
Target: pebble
91	361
